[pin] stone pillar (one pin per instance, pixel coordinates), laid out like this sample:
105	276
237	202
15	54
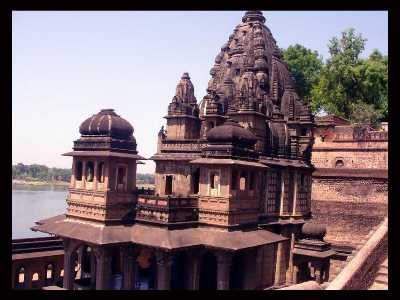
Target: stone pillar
103	268
80	262
259	267
295	274
282	191
295	192
326	271
290	270
281	264
69	249
128	258
84	174
92	269
95	179
72	184
224	261
164	262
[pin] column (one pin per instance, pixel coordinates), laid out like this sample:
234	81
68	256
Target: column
326	271
281	264
282	191
290	273
224	261
72	184
92	269
295	192
164	262
84	174
80	262
295	274
68	280
103	268
129	268
95	180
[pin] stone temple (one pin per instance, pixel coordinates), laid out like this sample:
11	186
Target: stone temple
233	185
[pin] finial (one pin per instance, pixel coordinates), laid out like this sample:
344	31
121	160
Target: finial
185	76
253	15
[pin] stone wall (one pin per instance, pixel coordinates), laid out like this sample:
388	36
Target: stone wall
349	189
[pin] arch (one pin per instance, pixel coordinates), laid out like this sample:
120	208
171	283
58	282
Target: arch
89	171
78	171
236	275
146	276
243	181
100	172
178	271
339	163
20	277
49	274
208	272
196	181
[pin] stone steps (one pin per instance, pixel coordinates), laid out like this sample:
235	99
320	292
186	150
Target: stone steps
381	279
378	286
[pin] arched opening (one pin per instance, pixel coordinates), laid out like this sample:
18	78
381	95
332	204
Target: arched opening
35	280
86	260
146	278
20	278
234	180
208	272
178	271
196	181
121	179
168	184
339	163
89	171
242	181
236	274
212	180
210	125
252	181
78	171
116	270
49	273
100	172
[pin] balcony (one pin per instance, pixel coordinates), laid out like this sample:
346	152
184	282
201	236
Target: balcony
167	209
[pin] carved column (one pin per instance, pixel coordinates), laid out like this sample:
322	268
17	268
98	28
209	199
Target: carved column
282	191
69	249
164	262
224	261
128	258
103	268
295	191
95	179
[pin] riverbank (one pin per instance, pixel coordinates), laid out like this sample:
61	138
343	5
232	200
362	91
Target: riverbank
39	183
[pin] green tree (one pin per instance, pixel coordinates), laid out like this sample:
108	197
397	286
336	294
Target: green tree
305	66
349	86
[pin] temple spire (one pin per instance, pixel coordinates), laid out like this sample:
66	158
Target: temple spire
253	15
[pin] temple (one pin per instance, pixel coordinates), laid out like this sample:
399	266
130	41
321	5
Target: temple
232	191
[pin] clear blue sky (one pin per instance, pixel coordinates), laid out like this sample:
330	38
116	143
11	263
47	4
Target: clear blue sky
69	65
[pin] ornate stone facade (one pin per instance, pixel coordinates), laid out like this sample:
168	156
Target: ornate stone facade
233	182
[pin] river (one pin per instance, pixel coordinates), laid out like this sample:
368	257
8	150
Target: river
33	203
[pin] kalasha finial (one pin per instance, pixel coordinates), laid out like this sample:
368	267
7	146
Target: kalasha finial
185	76
253	15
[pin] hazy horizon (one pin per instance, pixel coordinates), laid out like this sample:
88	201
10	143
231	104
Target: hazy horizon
69	65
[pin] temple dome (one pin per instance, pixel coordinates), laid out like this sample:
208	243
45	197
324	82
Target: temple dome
231	132
106	123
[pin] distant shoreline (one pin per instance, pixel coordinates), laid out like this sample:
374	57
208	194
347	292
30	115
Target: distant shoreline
39	183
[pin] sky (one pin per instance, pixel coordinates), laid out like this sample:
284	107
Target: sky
67	66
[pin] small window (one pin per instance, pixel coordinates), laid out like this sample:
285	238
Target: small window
78	172
234	180
339	164
100	172
212	181
89	171
168	185
251	181
49	271
21	275
120	175
243	179
35	277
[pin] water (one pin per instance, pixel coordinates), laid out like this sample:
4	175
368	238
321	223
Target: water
33	203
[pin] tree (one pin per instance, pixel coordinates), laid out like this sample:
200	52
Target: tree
305	66
349	85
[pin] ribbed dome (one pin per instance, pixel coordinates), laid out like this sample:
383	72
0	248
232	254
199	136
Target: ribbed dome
106	123
231	131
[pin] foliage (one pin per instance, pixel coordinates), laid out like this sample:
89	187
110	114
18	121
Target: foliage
305	66
145	178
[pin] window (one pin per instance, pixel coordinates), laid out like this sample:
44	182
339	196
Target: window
78	172
89	171
243	179
168	185
100	172
21	275
35	277
252	181
339	163
196	181
212	181
234	180
49	271
121	175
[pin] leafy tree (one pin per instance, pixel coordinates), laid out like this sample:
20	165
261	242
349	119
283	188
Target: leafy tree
349	86
305	66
